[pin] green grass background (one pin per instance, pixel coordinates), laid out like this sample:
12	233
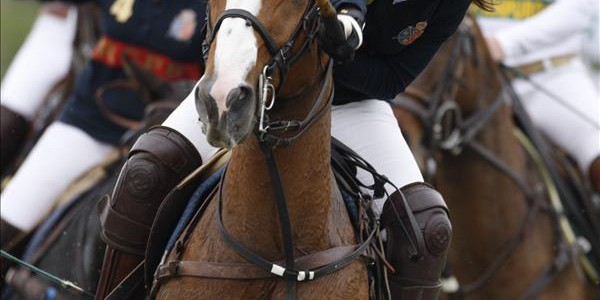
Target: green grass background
16	18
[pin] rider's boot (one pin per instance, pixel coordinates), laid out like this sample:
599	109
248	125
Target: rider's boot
13	241
420	278
595	175
13	130
157	162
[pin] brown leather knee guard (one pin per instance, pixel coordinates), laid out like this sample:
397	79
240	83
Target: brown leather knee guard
417	278
12	134
157	162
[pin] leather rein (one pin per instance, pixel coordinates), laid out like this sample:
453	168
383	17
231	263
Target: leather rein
432	110
292	269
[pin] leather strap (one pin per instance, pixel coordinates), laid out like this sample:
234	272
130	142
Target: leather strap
545	64
216	270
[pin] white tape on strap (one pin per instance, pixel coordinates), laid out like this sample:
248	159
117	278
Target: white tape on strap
278	270
450	285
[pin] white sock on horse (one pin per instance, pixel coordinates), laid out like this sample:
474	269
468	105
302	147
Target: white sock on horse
62	154
377	138
42	61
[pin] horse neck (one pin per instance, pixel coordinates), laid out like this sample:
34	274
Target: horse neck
489	209
304	166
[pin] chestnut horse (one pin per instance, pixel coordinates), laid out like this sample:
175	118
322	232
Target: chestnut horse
507	244
276	226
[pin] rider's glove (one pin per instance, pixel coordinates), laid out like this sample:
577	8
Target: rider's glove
351	21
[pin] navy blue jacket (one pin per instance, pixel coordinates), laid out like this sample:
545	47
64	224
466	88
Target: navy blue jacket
397	46
400	38
154	25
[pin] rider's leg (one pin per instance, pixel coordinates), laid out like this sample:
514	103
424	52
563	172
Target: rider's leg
572	85
32	74
157	162
13	129
62	154
370	128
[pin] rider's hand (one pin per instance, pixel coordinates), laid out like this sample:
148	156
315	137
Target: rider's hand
350	20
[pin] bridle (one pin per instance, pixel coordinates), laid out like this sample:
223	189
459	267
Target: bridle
282	58
447	129
269	133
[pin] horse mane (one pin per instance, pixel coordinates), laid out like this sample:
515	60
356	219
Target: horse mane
485	4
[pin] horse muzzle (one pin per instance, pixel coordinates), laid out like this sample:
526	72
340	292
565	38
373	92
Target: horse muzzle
227	127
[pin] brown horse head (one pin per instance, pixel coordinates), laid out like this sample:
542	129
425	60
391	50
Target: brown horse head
247	39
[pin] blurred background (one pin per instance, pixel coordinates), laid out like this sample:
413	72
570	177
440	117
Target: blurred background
16	18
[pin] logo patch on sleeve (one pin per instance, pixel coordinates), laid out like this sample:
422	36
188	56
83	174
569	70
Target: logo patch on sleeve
411	33
183	26
122	10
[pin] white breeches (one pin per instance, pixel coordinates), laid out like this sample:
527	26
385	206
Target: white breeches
42	61
368	127
572	84
62	154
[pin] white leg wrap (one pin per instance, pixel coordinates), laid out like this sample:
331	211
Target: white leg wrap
184	119
572	84
370	128
62	154
42	61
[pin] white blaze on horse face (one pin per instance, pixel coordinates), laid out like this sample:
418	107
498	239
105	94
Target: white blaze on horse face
236	52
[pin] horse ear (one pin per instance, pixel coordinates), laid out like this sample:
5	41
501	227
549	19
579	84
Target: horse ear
152	87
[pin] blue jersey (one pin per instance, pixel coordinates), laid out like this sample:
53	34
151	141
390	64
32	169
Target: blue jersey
400	38
163	36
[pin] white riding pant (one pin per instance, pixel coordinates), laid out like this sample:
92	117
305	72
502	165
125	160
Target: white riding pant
368	127
62	154
42	61
572	84
65	152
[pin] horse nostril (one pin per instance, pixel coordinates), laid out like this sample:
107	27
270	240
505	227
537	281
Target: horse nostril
244	92
238	96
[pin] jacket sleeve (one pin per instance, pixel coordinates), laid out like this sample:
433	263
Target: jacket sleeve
384	77
550	26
